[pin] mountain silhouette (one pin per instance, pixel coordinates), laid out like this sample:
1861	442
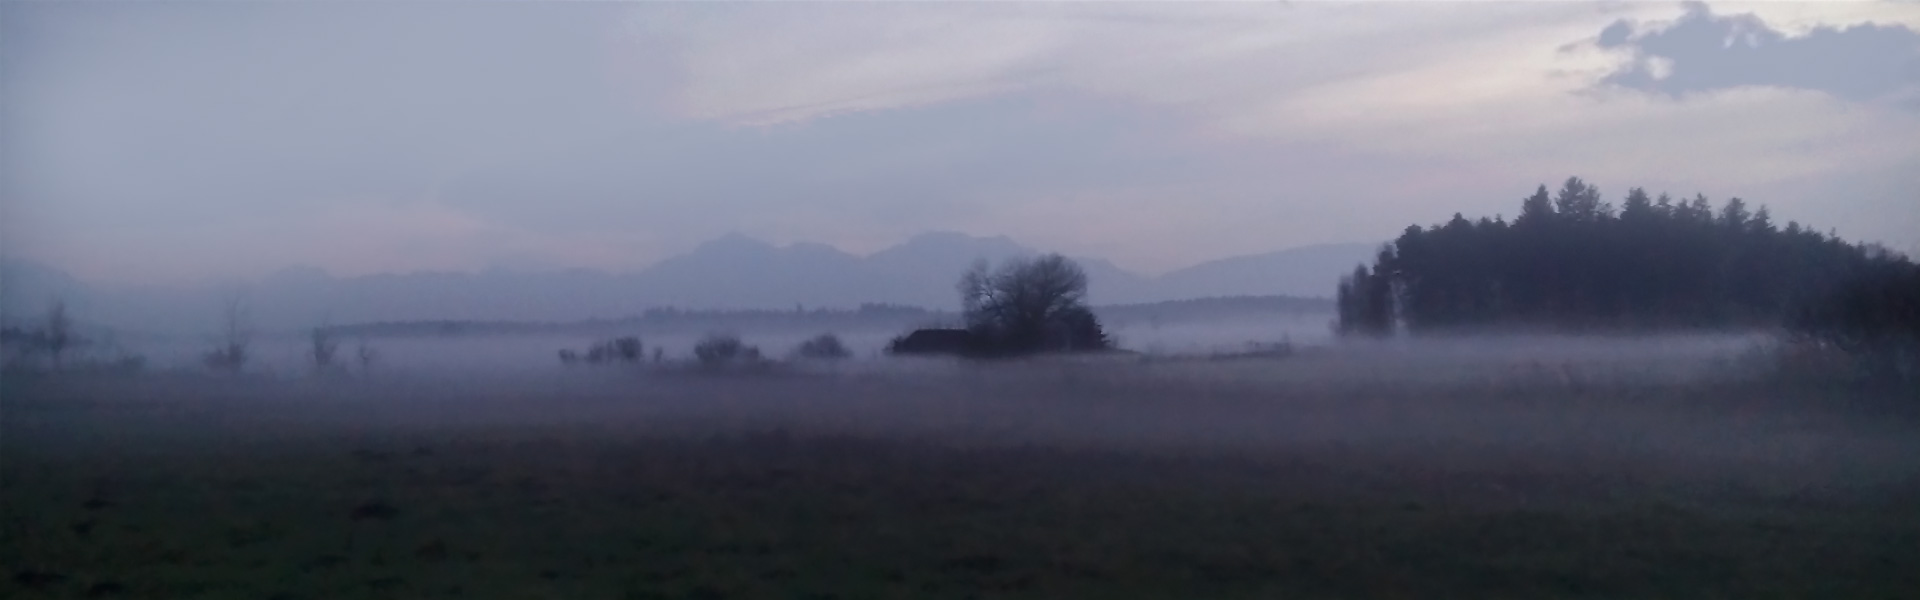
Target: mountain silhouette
1306	271
730	272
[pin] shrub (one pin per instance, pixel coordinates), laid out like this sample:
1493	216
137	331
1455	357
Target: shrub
627	348
228	358
720	349
622	349
826	346
1873	321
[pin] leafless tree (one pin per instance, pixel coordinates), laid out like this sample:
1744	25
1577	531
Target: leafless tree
59	334
323	348
1030	304
230	353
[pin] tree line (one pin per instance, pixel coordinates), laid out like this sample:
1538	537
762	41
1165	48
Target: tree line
1571	261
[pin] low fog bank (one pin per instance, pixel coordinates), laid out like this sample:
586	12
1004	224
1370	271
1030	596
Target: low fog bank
289	355
1658	412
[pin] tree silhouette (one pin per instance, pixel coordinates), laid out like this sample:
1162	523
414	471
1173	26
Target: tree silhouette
1569	262
59	333
825	347
230	353
1872	318
1030	305
322	348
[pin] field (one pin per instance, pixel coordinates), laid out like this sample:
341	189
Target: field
1545	469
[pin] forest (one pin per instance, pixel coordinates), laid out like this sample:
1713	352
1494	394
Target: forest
1573	262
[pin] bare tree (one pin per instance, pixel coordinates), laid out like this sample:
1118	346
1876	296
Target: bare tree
323	348
1030	304
59	334
230	353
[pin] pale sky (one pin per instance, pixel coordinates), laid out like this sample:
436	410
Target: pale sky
165	142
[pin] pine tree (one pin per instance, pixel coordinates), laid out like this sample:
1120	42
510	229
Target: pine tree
1536	209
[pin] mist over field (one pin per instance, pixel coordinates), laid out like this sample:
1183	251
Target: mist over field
306	300
288	355
1545	466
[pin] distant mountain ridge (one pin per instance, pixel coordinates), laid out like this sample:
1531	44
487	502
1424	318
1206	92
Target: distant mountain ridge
869	316
730	272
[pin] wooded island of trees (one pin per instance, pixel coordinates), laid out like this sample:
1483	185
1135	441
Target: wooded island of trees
1573	262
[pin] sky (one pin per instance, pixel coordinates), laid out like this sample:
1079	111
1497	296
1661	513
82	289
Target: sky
161	142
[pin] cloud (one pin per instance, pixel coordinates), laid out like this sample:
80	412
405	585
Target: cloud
1702	52
164	141
759	64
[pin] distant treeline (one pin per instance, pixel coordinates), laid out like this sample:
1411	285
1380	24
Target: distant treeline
1213	309
659	319
874	316
1570	261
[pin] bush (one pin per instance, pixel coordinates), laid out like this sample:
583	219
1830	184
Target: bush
627	348
623	349
826	346
719	350
1873	321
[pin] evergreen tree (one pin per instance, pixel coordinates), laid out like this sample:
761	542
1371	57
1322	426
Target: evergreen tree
1536	209
1638	207
1569	263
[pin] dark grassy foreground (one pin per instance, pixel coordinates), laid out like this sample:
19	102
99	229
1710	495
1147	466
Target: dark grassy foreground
227	490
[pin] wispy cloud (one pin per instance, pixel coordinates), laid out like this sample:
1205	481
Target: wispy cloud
145	139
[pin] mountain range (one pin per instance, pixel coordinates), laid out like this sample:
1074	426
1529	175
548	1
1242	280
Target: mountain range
733	271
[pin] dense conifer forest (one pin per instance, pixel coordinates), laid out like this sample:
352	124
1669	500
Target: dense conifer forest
1573	262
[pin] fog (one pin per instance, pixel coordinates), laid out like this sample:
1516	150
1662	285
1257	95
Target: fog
294	299
286	355
1400	448
1658	403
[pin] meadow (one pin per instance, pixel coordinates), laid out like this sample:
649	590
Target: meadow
1503	468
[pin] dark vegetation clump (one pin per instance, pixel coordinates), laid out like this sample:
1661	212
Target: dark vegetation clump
725	350
226	358
322	348
935	341
1571	262
826	347
618	350
54	345
1025	306
1870	324
229	354
1033	305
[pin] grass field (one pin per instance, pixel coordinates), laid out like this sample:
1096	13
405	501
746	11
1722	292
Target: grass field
1442	475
